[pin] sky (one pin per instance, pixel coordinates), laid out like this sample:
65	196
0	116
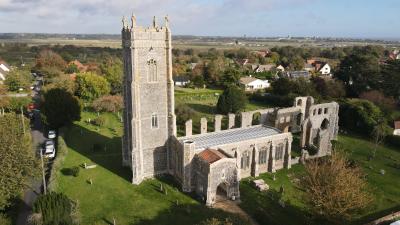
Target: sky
253	18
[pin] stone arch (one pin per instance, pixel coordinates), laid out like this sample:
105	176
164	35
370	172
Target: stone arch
324	124
222	192
256	120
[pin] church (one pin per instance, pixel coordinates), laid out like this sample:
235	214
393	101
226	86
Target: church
210	162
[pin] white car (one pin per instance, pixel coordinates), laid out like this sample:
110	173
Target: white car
49	150
52	134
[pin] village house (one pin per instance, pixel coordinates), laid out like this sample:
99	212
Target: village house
181	81
314	65
262	68
396	128
254	84
4	69
297	74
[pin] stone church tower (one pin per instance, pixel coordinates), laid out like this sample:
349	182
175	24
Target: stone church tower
148	92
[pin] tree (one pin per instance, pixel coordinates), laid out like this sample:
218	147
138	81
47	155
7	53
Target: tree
329	88
230	77
56	208
60	108
109	103
282	86
17	161
62	82
17	79
390	79
91	86
215	221
198	81
334	189
232	100
71	68
360	73
359	116
49	59
387	104
183	113
378	134
112	71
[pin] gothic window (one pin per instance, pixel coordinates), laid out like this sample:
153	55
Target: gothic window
262	156
152	70
245	160
279	152
154	121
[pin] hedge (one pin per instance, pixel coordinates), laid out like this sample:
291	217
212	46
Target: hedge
393	140
62	151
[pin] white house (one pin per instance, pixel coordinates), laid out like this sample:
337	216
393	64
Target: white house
254	84
4	69
396	128
325	69
181	81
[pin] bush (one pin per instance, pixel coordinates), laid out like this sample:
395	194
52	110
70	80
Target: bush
55	208
75	171
62	151
4	219
183	113
393	141
109	103
99	121
274	100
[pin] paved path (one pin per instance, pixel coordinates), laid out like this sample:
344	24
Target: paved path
32	193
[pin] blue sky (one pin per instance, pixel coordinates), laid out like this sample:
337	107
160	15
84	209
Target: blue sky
323	18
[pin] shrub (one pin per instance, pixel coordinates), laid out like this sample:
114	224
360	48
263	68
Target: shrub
393	141
62	151
55	208
75	171
109	103
4	219
99	121
183	114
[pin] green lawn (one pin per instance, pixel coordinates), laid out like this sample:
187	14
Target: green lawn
112	195
265	207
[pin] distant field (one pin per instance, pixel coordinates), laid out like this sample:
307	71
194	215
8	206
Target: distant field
196	43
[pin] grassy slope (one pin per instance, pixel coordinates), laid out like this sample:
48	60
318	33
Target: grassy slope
385	188
112	195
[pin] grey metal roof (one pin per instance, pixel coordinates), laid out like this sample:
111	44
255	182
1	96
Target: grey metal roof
203	141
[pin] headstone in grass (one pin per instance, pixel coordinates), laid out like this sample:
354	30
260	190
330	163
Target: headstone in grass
273	177
177	202
383	172
161	188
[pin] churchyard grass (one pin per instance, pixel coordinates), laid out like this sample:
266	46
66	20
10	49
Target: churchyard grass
105	193
265	207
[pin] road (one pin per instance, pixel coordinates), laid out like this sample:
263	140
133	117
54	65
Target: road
32	193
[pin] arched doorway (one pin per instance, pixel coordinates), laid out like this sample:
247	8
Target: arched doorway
222	192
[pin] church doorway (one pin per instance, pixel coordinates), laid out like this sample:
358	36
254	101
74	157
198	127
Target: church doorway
222	194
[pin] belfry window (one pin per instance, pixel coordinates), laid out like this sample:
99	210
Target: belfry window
154	121
152	70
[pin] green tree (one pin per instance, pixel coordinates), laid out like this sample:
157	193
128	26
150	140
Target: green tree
198	81
108	103
390	79
282	86
62	82
56	209
231	76
360	73
91	86
60	108
232	100
17	79
112	71
71	68
17	161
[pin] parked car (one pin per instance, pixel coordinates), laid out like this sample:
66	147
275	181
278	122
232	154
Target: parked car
52	134
49	150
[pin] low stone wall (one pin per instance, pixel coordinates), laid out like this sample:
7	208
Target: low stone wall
387	218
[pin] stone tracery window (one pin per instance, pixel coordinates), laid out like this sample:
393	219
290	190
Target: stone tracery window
279	152
262	156
152	70
245	160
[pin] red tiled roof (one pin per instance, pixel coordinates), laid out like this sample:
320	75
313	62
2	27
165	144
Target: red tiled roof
211	155
396	125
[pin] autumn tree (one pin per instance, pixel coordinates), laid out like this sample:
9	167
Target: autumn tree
335	190
17	79
91	86
17	162
112	71
108	103
60	108
48	58
62	82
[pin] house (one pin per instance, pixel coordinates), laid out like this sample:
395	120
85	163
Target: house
181	81
280	68
297	74
309	67
325	69
4	69
395	55
396	128
254	84
264	68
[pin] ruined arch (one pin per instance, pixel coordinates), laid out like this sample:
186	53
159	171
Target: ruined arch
324	124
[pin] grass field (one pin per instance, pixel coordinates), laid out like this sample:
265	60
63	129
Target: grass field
111	195
264	207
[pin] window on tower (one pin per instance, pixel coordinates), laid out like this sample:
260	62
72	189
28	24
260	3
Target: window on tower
154	121
152	70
